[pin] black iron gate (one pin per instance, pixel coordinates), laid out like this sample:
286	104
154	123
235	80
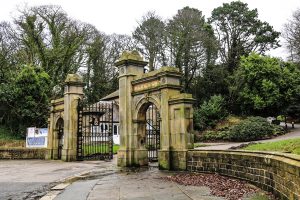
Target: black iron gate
95	125
60	142
60	137
152	132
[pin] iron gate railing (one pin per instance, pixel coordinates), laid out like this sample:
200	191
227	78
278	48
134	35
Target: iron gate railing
95	125
152	132
60	135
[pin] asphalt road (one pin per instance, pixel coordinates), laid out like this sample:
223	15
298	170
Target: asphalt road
31	179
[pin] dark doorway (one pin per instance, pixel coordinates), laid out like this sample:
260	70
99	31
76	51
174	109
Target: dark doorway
60	137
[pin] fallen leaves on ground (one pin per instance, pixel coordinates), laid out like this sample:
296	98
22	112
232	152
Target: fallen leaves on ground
220	186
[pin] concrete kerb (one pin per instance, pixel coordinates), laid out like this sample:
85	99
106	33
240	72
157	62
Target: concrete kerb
63	183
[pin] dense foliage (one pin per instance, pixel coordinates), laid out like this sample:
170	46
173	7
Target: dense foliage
210	112
265	85
240	32
26	100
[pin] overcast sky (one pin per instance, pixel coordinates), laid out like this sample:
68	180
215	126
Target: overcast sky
121	16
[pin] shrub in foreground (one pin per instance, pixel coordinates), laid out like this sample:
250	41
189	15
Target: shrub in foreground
250	129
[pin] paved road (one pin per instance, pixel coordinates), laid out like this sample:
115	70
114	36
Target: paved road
28	179
143	184
294	133
32	179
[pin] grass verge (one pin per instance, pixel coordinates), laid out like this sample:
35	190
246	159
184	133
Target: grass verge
199	144
284	146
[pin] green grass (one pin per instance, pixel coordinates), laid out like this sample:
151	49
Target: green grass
285	146
99	148
8	140
116	148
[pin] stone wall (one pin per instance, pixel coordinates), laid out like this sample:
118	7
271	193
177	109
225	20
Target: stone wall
22	153
273	172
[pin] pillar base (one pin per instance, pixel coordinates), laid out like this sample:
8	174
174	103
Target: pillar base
69	155
51	154
132	158
178	159
164	159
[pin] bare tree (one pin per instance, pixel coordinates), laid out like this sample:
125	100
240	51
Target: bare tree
292	36
149	36
191	43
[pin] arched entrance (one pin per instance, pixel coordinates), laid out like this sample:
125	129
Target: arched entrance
60	137
146	135
148	125
152	132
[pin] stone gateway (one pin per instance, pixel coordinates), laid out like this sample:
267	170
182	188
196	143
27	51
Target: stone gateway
155	118
139	91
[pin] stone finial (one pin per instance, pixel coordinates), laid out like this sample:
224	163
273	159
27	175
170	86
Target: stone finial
131	58
131	55
74	79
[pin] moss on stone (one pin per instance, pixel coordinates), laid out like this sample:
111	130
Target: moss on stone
73	78
131	55
161	70
57	100
182	96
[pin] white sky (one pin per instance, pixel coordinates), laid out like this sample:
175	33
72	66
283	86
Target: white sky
121	16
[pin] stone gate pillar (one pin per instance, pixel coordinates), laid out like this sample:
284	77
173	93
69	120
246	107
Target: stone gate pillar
181	129
73	92
56	112
130	64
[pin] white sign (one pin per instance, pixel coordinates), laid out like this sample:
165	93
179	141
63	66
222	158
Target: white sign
30	132
36	137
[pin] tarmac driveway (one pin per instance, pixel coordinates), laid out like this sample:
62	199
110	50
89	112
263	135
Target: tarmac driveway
30	179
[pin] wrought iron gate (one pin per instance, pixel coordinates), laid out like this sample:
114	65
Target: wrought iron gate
152	132
60	137
95	125
60	142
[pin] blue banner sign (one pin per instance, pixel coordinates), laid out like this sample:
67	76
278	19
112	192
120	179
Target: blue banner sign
36	137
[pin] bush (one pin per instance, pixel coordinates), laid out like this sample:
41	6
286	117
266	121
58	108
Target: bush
252	128
276	122
209	113
219	135
249	129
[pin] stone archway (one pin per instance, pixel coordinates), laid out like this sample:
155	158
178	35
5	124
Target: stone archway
148	129
139	90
